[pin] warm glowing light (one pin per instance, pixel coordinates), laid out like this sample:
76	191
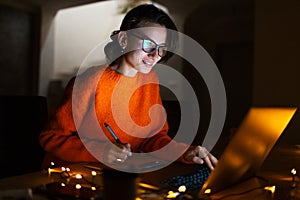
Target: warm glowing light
151	187
182	188
94	173
207	191
170	192
138	198
68	169
270	188
63	169
63	184
172	195
52	163
78	186
93	188
78	176
50	171
293	171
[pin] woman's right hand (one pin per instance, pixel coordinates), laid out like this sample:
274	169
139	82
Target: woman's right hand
118	153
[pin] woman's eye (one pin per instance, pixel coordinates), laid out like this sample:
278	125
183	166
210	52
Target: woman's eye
149	44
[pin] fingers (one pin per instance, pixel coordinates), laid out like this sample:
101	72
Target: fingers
208	162
203	156
119	153
197	160
201	151
127	149
213	159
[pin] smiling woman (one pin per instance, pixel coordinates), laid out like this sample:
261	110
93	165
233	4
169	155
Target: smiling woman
123	93
141	54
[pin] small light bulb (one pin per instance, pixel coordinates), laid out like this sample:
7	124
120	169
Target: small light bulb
63	184
78	176
68	169
270	188
172	195
63	169
93	188
182	188
94	173
78	186
207	191
293	171
50	171
170	192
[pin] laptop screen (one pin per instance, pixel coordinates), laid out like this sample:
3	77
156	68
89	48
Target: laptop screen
249	147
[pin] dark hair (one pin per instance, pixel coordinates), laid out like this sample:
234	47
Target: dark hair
133	19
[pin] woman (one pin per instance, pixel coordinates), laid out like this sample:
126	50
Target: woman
120	94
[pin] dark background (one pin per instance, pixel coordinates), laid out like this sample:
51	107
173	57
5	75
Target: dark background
255	45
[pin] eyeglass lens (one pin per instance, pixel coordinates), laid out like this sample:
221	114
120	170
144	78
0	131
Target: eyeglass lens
150	47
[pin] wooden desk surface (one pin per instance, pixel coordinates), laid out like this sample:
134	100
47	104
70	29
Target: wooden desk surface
276	170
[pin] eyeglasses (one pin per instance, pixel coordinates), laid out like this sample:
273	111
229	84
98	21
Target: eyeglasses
149	46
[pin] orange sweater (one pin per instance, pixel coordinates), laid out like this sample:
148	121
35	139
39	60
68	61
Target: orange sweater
77	132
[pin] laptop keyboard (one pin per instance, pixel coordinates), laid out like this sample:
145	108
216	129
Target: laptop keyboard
191	181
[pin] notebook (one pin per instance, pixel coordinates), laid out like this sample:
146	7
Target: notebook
248	148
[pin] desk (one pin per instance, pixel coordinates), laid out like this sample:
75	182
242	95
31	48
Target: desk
276	169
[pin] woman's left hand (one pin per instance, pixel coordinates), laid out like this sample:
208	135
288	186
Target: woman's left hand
200	155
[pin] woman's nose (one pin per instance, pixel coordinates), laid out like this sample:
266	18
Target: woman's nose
154	54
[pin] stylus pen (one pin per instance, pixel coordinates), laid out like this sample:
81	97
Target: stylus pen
113	133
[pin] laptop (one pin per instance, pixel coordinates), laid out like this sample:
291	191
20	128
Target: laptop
248	148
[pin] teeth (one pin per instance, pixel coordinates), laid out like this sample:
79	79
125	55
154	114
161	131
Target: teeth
148	63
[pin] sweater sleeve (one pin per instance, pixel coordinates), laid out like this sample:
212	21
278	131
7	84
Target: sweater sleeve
61	139
160	140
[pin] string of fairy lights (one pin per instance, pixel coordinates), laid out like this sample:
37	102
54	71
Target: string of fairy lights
88	180
67	177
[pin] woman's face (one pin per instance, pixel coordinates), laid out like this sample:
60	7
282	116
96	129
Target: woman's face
140	58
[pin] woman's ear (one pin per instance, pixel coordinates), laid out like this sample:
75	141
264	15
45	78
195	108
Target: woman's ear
123	39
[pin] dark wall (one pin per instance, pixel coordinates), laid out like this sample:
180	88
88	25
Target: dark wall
23	113
226	31
19	50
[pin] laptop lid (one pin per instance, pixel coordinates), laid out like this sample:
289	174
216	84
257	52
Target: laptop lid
249	147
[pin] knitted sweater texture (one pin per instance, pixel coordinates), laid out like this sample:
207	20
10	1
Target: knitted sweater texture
130	105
